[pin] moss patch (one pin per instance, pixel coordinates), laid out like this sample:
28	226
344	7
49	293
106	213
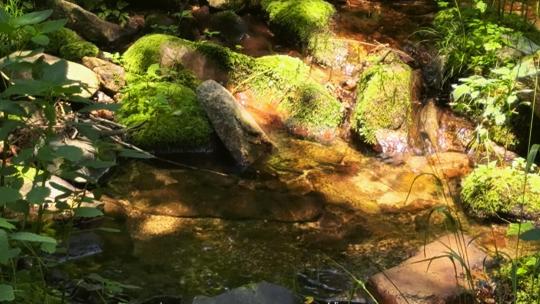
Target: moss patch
69	45
384	99
490	191
285	81
301	19
146	51
168	114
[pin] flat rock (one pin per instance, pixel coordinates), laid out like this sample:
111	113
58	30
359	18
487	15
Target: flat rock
261	293
73	72
422	282
236	128
111	76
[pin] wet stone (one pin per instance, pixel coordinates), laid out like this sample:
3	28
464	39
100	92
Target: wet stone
261	293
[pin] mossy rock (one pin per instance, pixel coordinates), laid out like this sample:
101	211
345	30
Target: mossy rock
384	99
313	111
491	191
69	45
306	106
167	116
300	19
150	49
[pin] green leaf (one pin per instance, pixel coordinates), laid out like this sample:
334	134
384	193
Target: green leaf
51	26
47	244
129	153
531	235
5	224
9	195
71	153
531	157
32	18
41	40
38	195
514	228
6	251
87	212
6	293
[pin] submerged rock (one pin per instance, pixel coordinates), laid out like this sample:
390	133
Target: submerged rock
72	73
430	277
237	129
260	293
111	76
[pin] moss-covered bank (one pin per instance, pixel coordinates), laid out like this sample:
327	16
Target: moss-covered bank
69	45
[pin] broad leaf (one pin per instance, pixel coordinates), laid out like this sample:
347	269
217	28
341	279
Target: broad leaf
5	224
87	212
71	153
531	235
38	195
40	39
32	18
51	26
6	293
47	244
9	195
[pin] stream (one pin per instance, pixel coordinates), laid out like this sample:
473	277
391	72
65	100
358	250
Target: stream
312	217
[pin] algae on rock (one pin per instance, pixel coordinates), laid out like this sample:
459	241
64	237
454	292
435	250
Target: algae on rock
165	115
384	99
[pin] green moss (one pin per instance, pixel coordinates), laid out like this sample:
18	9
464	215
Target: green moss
168	116
77	50
327	49
302	19
312	106
384	99
285	81
490	190
146	51
69	45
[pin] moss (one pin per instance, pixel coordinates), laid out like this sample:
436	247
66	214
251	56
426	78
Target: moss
490	191
146	51
302	19
327	49
69	45
312	106
384	99
166	115
285	81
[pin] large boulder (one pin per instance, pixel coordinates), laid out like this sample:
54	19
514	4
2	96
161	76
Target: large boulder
431	276
111	76
88	24
237	129
385	98
260	293
73	73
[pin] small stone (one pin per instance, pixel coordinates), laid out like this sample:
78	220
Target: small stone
111	76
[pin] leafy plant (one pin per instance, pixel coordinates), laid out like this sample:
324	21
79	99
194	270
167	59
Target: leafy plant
491	103
115	13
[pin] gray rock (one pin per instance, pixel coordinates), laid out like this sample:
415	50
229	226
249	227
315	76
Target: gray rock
236	128
261	293
111	76
73	72
88	24
527	71
424	281
231	27
228	4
